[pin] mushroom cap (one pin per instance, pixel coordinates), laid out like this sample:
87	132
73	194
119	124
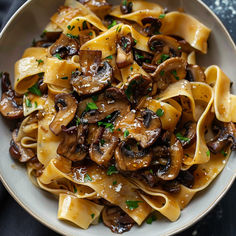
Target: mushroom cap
66	106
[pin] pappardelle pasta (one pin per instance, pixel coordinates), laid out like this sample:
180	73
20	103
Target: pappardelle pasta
117	119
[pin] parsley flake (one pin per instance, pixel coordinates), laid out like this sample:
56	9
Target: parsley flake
163	58
91	106
77	121
92	215
90	33
162	16
28	102
87	178
223	153
112	170
162	73
66	77
72	36
102	142
132	204
126	133
35	90
109	57
160	112
35	104
114	182
75	189
40	61
114	22
174	73
107	125
208	153
70	28
150	219
182	138
57	55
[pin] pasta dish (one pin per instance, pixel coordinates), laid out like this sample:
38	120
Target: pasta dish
115	116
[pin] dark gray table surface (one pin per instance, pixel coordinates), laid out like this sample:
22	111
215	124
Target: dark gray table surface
220	221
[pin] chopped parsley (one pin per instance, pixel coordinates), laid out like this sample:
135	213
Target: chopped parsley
152	49
114	22
118	29
92	215
112	170
223	153
77	121
162	16
151	171
66	77
28	102
118	129
174	73
35	90
114	182
90	33
150	219
179	48
163	58
132	204
126	133
208	153
91	106
102	142
72	36
87	178
109	57
41	74
124	3
57	55
160	112
107	125
70	28
135	41
182	138
35	104
139	56
43	34
131	68
40	61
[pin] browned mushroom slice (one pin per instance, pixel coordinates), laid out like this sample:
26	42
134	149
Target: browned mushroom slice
10	104
195	74
185	47
111	101
141	56
36	166
65	46
17	151
149	68
102	149
171	170
164	47
131	157
124	51
170	71
137	88
100	7
144	127
94	77
152	25
66	106
187	135
126	7
225	137
117	220
73	145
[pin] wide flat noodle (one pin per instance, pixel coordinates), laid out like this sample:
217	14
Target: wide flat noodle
187	27
27	68
36	104
78	211
140	10
106	42
102	184
47	141
224	102
58	72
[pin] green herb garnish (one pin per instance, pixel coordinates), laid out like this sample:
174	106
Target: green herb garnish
91	106
107	125
40	61
87	178
150	219
162	16
102	142
112	170
160	112
223	153
77	121
126	133
35	104
35	90
66	77
75	189
72	36
174	73
95	98
28	102
57	55
162	73
109	57
114	22
70	28
182	138
163	58
114	182
151	171
208	153
132	204
85	25
92	215
90	33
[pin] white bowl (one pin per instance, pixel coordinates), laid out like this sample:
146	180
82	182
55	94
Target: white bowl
27	24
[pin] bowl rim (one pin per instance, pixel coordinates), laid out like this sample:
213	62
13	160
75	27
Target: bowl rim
171	232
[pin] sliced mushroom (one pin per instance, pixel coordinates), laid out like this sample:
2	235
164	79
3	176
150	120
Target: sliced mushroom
17	151
102	149
169	71
149	68
10	104
65	46
112	100
144	127
172	186
152	25
186	178
195	74
225	137
101	8
131	157
124	51
126	7
142	56
188	134
164	47
94	77
185	47
66	106
117	220
138	86
36	166
73	146
171	170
